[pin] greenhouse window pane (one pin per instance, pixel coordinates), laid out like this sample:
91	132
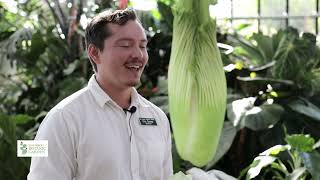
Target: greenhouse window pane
272	7
303	25
221	10
243	8
271	26
302	7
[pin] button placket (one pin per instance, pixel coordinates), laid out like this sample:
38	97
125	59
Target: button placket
133	148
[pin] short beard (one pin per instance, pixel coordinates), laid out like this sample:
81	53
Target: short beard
133	84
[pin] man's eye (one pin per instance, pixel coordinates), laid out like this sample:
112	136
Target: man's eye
124	45
143	47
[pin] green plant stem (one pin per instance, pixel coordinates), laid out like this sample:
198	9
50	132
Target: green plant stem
280	167
203	8
296	160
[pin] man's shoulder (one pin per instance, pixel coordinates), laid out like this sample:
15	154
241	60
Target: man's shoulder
77	99
69	109
148	104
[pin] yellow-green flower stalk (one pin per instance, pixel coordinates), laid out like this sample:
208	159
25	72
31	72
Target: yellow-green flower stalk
196	82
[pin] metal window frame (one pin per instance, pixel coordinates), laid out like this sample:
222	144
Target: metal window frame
284	17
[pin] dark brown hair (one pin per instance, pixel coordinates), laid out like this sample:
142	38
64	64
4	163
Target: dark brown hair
97	30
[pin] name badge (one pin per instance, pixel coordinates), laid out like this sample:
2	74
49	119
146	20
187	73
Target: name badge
148	121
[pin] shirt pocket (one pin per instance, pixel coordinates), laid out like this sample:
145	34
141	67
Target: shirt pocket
151	157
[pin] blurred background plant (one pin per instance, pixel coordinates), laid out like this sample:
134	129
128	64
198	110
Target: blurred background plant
303	162
273	80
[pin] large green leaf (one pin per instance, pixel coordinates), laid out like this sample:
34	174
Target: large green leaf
22	118
312	162
38	46
295	58
250	49
9	129
257	165
301	142
265	80
265	47
243	113
242	26
11	167
276	38
262	117
305	107
275	150
237	110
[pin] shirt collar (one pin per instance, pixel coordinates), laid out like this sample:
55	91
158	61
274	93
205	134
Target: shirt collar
134	98
99	95
102	97
137	99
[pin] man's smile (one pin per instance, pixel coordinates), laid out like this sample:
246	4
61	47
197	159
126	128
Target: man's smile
134	66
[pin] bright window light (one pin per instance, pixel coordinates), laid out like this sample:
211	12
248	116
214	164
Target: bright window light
11	5
144	5
221	9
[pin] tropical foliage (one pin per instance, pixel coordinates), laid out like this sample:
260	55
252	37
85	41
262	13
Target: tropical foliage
303	160
42	61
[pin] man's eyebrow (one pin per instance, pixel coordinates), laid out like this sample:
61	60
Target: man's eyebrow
129	39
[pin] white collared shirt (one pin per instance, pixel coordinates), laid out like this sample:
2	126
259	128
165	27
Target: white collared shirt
90	137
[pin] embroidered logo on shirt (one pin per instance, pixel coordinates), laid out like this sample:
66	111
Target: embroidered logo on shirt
148	121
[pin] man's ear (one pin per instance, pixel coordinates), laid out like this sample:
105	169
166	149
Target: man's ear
93	53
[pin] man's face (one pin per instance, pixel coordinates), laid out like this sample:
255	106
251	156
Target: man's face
124	56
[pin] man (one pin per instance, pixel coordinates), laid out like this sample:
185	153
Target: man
107	131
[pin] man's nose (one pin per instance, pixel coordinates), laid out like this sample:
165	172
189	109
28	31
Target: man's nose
137	52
